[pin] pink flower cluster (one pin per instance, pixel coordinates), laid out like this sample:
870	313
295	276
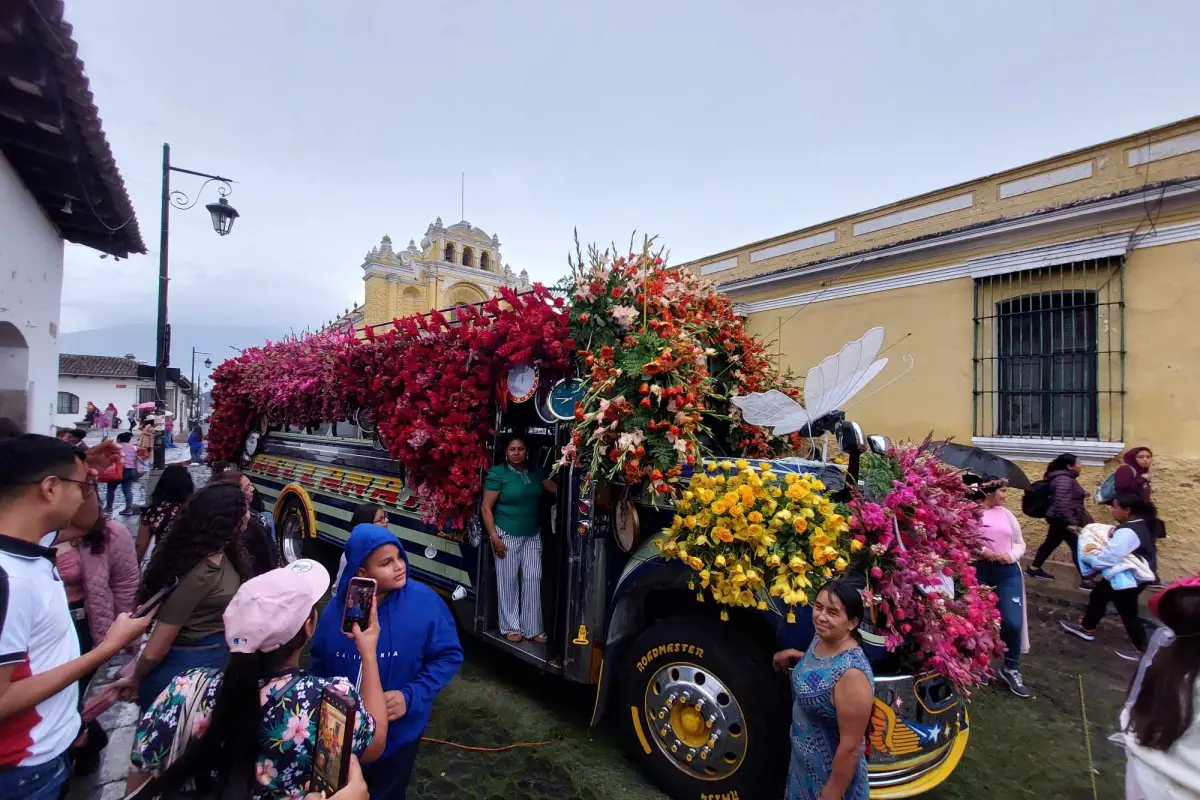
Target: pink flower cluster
923	591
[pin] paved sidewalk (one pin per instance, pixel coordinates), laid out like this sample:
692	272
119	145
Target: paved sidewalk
108	783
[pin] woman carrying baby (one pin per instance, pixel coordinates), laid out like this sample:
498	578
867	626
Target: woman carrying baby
1123	567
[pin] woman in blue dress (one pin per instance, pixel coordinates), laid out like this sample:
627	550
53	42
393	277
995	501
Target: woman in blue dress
833	693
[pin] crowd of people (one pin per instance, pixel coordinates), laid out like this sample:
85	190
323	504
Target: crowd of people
225	707
832	681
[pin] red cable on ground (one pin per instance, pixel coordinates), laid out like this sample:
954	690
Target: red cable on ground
484	749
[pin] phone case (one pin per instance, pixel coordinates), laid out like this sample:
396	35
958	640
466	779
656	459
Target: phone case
359	594
335	740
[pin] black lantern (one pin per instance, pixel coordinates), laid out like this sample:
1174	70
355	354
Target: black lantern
223	216
208	363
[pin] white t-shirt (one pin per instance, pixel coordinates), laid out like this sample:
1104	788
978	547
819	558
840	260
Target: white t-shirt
37	635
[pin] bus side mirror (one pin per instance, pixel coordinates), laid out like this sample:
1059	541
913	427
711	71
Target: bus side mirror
850	437
879	444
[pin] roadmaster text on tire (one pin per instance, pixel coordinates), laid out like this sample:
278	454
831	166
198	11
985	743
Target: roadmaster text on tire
703	713
295	539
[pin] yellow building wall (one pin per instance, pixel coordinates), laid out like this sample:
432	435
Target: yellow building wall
934	324
1111	173
934	396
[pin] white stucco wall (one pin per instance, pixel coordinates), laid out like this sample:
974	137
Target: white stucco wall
121	392
31	275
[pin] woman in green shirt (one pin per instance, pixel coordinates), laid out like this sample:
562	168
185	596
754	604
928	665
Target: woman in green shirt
512	494
203	549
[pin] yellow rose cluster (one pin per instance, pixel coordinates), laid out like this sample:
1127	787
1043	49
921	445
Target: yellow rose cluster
749	532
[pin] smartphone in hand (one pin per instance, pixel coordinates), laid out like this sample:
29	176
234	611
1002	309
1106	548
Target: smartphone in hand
359	595
156	599
335	738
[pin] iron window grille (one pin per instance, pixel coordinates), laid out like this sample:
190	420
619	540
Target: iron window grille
1049	352
68	403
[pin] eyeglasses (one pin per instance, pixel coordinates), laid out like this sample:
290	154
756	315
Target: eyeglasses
89	484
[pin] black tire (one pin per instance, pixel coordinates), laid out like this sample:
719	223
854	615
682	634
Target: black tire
295	540
732	674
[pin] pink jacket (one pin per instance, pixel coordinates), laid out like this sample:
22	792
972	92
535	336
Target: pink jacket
110	579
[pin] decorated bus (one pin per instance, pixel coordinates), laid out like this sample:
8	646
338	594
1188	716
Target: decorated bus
701	499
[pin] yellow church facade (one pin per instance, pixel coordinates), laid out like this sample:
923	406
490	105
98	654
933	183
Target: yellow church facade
1050	308
453	265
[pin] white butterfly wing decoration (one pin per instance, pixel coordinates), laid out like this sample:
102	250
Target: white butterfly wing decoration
827	387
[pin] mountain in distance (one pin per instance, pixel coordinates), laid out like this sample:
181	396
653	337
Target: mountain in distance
139	339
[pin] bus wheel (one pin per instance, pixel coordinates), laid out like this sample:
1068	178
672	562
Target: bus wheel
703	713
296	541
291	531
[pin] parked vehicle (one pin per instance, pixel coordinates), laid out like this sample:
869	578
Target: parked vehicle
695	699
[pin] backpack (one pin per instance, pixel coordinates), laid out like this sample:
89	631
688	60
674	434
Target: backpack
1107	491
1037	500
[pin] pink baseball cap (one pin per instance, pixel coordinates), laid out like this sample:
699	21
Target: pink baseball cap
1190	582
269	610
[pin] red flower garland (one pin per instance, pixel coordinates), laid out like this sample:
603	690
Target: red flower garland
430	383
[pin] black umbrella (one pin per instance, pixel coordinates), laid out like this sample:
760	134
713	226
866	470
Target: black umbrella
988	466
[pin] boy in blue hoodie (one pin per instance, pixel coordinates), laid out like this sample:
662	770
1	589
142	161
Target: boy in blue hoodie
419	651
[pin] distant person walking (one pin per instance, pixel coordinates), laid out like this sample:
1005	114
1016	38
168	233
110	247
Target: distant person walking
114	416
1124	567
1133	477
102	422
129	474
1067	515
196	444
131	415
145	448
169	433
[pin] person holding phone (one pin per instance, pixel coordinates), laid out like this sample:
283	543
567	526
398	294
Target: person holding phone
251	729
204	550
43	483
99	571
418	637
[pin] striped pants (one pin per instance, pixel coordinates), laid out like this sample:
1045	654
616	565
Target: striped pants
519	585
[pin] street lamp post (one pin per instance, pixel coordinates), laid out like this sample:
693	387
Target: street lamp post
195	404
223	216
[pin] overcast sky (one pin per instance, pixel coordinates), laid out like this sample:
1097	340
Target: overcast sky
710	123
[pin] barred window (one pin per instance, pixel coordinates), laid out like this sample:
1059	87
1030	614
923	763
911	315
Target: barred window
1049	352
68	403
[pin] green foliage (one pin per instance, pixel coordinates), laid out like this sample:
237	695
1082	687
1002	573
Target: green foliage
877	475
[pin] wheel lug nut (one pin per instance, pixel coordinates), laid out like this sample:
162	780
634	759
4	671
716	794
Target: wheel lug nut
662	732
690	755
683	698
671	698
711	719
662	713
674	748
704	751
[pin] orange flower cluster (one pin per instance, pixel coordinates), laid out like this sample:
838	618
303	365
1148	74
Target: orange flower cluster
663	354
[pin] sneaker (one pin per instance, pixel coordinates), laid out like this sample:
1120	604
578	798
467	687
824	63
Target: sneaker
1075	629
1038	572
1087	586
1016	684
1129	655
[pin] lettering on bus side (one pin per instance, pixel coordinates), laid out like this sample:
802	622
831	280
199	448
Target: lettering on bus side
675	648
722	796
